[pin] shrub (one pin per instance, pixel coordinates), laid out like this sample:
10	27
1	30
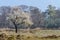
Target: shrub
3	36
18	37
12	37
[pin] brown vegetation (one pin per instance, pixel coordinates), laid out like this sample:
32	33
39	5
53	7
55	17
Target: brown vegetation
32	35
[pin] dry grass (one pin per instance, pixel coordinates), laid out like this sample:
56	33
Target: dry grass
33	34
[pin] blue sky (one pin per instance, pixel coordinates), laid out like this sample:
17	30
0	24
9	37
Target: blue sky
42	4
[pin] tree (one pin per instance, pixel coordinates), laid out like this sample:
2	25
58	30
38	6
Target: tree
36	16
19	18
50	21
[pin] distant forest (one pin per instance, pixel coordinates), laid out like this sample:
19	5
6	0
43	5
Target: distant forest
29	17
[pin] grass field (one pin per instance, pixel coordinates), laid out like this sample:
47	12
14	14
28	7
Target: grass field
30	35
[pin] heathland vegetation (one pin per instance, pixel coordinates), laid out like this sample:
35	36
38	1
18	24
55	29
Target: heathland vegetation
27	22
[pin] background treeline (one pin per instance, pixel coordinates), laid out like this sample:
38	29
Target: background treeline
29	17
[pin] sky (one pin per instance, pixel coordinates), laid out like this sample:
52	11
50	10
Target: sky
41	4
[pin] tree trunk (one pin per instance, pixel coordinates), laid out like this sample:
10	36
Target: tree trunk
15	27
